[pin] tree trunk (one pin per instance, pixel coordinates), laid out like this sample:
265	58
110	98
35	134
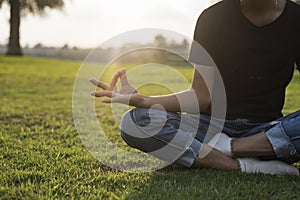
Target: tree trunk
14	47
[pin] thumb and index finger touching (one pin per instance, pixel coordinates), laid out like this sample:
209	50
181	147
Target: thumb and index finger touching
120	74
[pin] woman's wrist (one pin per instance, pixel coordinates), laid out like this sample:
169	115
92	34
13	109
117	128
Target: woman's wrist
138	100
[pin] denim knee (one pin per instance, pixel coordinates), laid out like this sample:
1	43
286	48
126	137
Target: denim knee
126	121
134	134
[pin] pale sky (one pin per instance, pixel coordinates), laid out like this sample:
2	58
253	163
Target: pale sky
88	23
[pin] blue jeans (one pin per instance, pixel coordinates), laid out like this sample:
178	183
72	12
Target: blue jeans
162	127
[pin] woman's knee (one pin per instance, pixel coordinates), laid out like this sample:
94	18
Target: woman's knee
130	127
145	130
134	118
126	122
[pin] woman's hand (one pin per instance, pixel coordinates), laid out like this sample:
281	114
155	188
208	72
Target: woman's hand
126	95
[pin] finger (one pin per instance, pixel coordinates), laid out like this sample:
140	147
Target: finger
99	84
93	81
124	80
103	85
104	93
107	101
116	99
114	80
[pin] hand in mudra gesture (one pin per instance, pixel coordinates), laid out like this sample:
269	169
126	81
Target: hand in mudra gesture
126	95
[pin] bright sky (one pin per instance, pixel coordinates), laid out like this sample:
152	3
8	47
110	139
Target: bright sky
88	23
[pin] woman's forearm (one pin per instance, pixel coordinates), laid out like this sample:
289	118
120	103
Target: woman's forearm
185	101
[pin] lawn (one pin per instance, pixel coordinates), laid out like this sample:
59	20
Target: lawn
42	156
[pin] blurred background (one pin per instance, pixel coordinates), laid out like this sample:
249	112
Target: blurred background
70	29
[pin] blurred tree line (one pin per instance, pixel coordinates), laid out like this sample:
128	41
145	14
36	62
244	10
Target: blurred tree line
161	49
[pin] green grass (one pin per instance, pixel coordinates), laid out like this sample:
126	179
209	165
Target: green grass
42	156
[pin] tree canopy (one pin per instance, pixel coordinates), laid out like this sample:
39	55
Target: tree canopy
36	6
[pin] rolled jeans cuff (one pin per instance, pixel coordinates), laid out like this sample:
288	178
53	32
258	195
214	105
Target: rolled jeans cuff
189	156
281	143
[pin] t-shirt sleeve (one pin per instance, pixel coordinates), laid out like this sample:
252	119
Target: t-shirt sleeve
202	37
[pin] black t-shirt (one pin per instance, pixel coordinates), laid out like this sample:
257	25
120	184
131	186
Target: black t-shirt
256	63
